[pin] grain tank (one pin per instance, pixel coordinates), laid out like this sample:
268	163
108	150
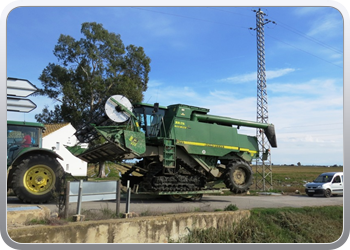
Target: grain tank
175	148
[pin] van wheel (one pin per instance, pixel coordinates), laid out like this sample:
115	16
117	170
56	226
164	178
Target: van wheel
327	193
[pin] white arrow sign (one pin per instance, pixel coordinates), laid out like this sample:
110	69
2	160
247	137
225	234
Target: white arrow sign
20	104
19	87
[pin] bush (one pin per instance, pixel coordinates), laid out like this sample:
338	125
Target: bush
231	207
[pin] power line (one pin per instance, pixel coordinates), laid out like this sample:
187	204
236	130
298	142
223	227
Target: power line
292	29
310	38
301	34
236	13
220	23
305	51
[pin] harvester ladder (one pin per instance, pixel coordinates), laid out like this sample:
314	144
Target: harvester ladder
169	154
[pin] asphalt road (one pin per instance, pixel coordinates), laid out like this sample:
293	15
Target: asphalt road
208	203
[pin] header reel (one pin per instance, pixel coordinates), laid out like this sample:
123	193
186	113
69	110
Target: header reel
118	108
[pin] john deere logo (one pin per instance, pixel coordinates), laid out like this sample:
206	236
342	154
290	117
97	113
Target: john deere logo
133	141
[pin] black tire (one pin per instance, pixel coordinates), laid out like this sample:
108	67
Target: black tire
175	198
238	176
327	193
36	178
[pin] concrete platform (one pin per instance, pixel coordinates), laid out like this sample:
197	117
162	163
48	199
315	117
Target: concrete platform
148	229
20	215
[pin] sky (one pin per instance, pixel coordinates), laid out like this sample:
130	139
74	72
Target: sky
207	57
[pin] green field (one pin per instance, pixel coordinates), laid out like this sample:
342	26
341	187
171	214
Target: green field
291	178
280	225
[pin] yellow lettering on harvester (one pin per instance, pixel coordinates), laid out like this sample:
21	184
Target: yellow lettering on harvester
179	123
182	127
201	144
133	141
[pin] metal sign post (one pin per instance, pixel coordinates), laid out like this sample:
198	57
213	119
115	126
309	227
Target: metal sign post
20	105
19	88
128	195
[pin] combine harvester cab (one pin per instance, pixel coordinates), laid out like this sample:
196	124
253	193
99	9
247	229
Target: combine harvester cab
180	148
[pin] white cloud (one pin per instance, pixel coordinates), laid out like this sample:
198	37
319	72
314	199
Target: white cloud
308	118
241	78
153	84
328	25
321	87
270	74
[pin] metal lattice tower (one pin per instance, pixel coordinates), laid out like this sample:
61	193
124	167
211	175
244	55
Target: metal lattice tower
263	167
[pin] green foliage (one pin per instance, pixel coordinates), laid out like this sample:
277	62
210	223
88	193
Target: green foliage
47	221
100	214
278	225
231	207
37	222
90	70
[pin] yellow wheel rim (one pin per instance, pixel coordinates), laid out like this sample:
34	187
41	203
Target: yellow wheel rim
39	179
239	176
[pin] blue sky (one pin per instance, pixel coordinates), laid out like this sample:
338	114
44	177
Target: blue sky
206	57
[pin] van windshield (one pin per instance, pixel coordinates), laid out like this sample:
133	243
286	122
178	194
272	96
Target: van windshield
323	178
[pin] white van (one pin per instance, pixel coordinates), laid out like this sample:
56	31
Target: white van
328	184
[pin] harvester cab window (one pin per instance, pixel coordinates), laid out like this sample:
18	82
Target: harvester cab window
150	121
155	123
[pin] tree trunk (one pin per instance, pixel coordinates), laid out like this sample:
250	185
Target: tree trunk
101	170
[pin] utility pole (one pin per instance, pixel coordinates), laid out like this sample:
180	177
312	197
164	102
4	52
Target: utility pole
263	166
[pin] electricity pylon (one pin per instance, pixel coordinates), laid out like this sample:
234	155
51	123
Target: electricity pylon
263	166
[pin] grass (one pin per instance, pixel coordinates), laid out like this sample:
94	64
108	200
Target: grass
47	221
287	179
280	225
231	207
100	214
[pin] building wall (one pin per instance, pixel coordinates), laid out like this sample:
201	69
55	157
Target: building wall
56	141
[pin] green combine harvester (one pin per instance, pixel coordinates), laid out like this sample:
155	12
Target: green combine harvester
178	150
